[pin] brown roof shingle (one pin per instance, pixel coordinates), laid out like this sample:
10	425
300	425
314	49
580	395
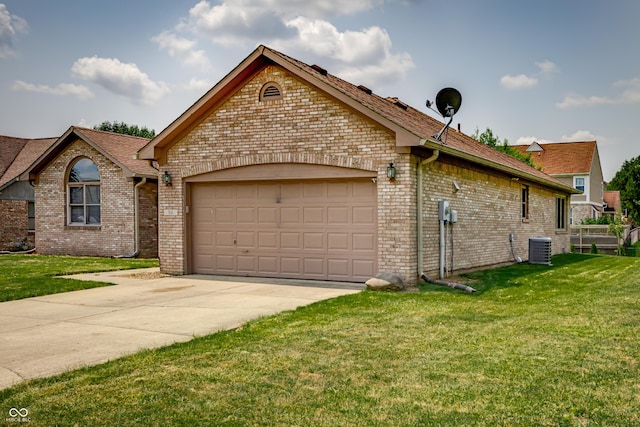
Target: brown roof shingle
563	158
17	154
120	149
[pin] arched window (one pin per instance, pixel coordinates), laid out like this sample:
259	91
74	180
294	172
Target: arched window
83	193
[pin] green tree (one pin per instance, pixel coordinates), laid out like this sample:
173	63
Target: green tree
617	227
488	138
123	128
627	181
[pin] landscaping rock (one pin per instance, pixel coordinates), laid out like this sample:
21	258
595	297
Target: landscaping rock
385	282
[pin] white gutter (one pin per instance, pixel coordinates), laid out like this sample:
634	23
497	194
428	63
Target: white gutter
419	209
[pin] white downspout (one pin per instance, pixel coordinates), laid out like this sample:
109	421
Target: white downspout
419	209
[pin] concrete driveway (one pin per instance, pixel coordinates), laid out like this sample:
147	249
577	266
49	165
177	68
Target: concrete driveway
48	335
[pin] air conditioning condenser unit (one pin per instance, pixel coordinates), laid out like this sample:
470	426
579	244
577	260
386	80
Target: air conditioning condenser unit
540	250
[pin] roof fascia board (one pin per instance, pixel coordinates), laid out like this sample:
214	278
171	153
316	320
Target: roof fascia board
497	166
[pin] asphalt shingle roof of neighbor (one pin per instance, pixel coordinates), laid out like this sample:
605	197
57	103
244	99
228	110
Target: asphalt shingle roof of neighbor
17	154
418	122
611	198
121	148
563	157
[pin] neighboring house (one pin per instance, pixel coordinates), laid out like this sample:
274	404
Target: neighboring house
612	203
284	170
17	208
577	164
93	197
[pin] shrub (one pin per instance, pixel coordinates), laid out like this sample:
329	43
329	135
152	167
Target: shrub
594	248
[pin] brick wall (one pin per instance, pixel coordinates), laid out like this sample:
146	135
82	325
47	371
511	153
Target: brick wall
308	127
14	225
304	127
115	234
489	208
148	220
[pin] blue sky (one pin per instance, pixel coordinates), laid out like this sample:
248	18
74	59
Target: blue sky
547	71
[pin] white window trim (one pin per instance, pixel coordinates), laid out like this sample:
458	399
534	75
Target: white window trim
586	183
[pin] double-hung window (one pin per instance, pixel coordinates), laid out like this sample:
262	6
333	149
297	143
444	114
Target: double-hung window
579	183
83	193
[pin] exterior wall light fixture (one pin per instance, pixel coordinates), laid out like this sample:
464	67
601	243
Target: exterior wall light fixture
166	178
391	172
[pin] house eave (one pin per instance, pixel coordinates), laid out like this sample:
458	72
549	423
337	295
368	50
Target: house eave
515	173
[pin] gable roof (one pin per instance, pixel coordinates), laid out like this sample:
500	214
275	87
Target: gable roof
17	154
118	148
411	127
563	158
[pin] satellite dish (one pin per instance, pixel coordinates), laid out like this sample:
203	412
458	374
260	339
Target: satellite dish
448	101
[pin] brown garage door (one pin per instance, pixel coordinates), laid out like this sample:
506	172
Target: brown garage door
311	229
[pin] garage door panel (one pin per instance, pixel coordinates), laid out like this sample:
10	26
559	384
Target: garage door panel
338	241
313	241
268	265
224	239
290	216
300	229
268	216
267	240
314	266
364	215
290	240
291	265
246	215
246	264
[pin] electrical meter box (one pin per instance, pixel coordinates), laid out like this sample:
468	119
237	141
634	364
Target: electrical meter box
443	210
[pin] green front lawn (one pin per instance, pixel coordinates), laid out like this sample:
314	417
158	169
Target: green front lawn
537	345
24	276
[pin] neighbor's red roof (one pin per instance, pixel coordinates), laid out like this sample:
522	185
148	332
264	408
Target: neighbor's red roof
562	158
17	154
612	199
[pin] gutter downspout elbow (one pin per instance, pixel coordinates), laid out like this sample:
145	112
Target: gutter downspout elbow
419	209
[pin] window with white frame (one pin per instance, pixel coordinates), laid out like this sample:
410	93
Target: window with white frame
83	193
579	183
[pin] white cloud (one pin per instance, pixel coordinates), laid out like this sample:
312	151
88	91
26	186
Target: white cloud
299	28
10	26
520	81
630	95
125	80
182	48
547	67
581	135
199	85
631	90
575	100
523	81
361	57
528	140
63	89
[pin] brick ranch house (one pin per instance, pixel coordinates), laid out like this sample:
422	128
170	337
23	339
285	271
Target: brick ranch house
93	198
280	170
17	201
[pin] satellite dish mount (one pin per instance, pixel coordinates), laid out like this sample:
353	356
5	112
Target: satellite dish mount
448	102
